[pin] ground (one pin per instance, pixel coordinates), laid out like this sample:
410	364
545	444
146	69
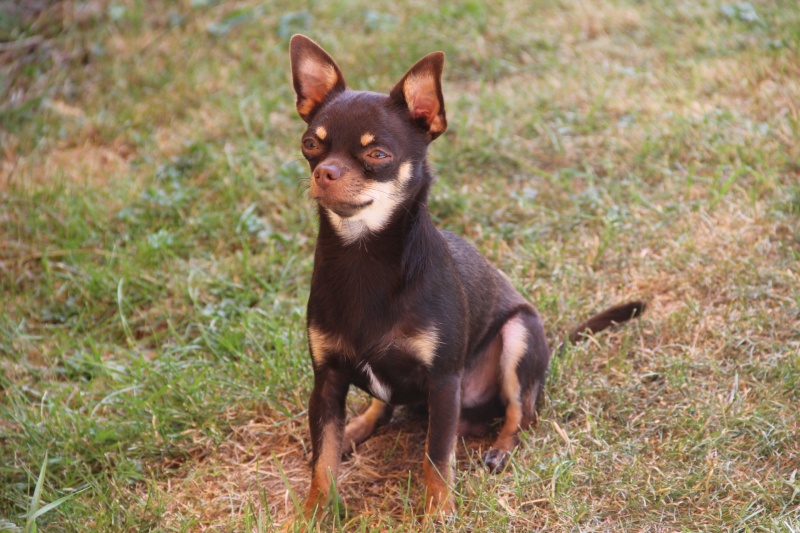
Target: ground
156	245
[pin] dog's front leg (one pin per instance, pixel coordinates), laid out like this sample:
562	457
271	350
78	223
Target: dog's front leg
444	407
326	413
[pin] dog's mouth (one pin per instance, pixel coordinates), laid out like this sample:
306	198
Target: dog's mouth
344	209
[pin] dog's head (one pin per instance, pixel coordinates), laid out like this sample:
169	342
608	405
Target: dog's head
363	148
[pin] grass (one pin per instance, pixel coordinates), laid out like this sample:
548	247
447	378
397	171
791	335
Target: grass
156	247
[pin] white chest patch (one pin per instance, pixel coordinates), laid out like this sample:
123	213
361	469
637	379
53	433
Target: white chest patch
379	390
385	197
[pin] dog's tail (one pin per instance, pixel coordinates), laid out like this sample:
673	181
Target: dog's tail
605	319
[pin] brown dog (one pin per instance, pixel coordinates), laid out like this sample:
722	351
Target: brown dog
406	312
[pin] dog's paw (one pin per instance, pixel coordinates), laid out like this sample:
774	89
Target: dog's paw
439	513
348	447
356	432
495	460
295	525
351	440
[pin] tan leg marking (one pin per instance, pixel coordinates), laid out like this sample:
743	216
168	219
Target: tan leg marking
507	438
363	426
325	471
421	345
323	344
438	498
515	342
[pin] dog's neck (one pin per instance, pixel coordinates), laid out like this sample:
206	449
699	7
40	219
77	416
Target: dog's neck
371	273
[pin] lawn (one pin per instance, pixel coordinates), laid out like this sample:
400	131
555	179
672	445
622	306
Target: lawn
156	244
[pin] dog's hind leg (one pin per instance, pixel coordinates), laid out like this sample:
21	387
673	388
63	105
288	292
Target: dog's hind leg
523	367
364	425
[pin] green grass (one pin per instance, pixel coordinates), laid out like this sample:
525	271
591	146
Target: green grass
156	247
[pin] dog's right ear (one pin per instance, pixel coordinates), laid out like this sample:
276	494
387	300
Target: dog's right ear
314	74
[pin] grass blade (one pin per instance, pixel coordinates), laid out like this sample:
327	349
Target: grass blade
30	522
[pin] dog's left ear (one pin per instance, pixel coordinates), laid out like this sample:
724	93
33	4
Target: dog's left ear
421	91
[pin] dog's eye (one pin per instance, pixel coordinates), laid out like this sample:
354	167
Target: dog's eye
378	154
309	144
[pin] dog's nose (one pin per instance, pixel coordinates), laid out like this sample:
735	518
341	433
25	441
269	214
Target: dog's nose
327	173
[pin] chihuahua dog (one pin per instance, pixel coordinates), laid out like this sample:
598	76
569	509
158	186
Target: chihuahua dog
406	312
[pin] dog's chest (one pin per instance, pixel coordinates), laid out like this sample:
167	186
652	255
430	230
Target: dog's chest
395	380
393	367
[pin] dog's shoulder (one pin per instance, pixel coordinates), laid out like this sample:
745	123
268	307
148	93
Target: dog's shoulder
475	269
478	275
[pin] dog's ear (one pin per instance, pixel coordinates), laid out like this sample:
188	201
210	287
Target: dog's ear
421	91
314	74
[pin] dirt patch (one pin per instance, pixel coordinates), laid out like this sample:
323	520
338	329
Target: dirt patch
87	160
262	466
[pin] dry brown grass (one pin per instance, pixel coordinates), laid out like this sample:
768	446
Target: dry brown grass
265	461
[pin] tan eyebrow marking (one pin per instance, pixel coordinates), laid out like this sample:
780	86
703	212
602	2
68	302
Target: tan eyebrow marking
367	138
321	132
